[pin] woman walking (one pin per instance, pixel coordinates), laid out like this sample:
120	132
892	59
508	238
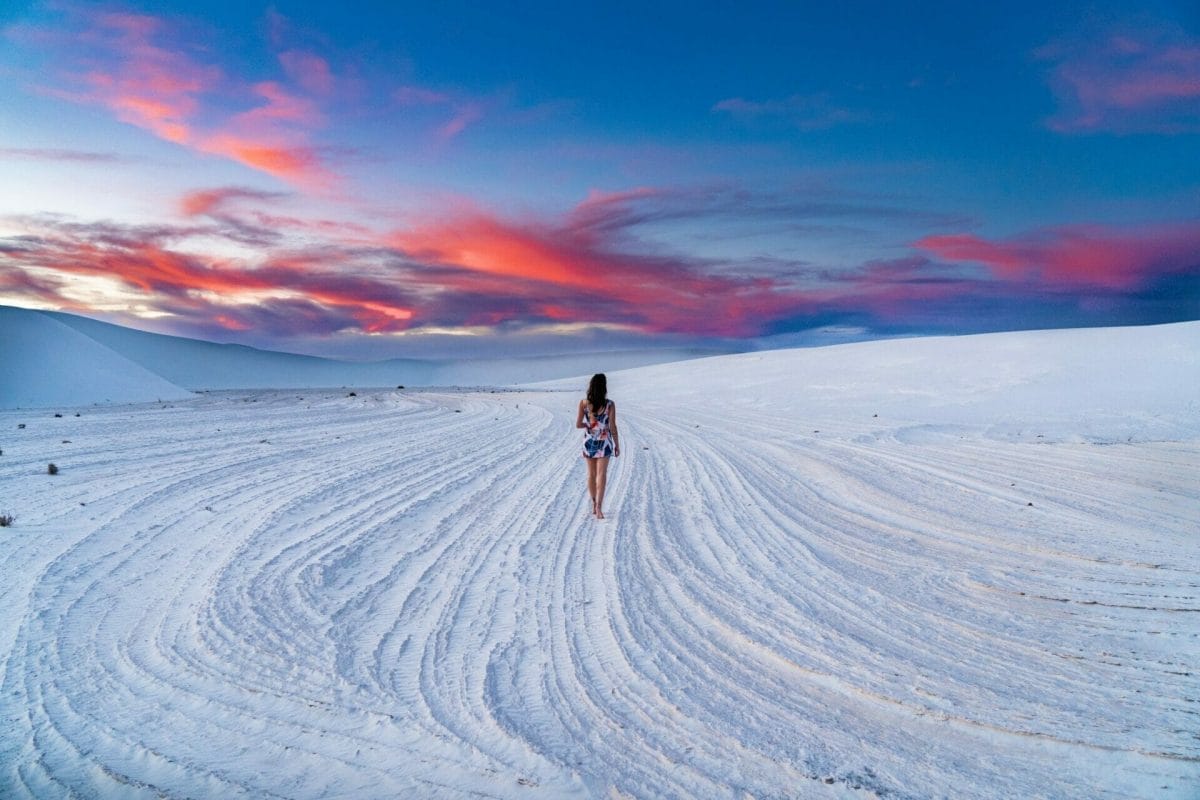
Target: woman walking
598	417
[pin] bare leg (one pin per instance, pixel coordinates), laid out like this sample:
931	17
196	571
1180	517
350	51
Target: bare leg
591	480
601	480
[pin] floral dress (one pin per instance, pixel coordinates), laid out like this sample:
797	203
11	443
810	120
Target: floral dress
597	443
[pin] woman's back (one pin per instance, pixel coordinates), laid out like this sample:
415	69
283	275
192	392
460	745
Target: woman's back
597	430
598	422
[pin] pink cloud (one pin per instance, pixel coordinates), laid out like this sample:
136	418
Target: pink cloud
272	138
242	209
599	203
1078	255
1147	81
464	115
573	259
149	86
137	27
464	112
133	65
20	283
1005	260
298	165
469	266
206	202
280	106
185	282
308	70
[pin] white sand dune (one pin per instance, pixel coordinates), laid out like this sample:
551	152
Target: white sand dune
925	568
44	363
200	365
203	366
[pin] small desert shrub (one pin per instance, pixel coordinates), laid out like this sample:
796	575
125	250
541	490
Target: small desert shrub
353	394
6	520
52	469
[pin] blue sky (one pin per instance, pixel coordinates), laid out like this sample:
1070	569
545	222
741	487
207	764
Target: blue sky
402	177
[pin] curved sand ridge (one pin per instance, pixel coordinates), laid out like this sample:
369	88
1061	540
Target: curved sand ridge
401	594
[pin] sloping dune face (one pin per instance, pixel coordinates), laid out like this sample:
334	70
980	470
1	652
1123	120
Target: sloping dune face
44	363
958	568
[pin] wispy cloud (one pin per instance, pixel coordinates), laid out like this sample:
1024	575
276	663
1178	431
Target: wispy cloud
20	283
143	70
462	111
262	219
71	156
1096	256
1137	80
810	112
214	201
310	71
420	96
621	212
470	267
576	267
143	83
466	268
204	288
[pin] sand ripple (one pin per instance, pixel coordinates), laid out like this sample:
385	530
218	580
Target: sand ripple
401	594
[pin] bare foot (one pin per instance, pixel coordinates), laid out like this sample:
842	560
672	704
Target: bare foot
599	514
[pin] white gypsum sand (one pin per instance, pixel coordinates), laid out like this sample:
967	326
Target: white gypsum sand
990	589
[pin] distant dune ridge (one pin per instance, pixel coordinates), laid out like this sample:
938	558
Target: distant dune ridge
53	359
44	362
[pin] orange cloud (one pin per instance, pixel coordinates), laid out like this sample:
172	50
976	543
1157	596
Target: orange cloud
473	268
652	292
485	244
180	280
298	165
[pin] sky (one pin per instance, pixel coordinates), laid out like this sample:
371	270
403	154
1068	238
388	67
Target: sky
506	178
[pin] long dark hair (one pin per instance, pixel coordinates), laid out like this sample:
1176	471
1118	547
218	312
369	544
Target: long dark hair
597	395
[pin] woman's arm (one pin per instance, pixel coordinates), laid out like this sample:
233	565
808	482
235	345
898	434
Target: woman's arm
612	427
579	415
